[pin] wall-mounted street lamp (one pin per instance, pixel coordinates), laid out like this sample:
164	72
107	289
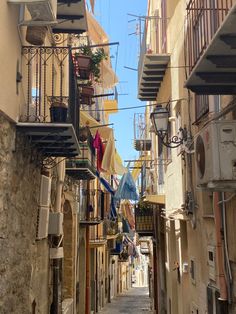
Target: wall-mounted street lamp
160	121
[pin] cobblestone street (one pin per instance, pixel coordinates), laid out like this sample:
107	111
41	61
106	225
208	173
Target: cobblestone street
136	300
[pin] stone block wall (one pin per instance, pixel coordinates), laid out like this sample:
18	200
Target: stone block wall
23	260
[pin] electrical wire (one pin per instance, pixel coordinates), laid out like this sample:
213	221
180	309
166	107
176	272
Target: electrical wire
136	107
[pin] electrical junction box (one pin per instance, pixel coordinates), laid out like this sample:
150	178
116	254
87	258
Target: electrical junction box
56	253
55	226
215	156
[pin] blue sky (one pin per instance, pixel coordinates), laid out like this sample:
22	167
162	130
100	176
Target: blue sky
114	18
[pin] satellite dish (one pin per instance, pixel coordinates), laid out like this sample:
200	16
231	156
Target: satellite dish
200	156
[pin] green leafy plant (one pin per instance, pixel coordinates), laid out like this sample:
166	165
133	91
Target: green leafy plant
96	55
144	206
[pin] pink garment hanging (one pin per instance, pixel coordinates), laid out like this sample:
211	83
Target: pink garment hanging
98	144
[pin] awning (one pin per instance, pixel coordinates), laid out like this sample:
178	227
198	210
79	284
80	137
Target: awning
155	199
92	3
111	161
108	76
110	105
96	33
87	120
98	36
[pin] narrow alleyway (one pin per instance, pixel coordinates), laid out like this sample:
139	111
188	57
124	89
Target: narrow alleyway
135	300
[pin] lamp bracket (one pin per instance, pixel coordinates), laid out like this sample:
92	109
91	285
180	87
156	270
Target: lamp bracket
176	140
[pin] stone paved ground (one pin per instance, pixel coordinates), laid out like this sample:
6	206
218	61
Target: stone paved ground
135	300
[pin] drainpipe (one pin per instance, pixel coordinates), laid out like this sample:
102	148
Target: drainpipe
219	252
87	294
56	268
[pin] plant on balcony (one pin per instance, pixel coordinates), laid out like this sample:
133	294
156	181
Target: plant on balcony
86	95
58	112
143	206
95	57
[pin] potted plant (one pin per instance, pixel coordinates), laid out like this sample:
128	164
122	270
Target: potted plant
82	64
95	56
86	94
58	112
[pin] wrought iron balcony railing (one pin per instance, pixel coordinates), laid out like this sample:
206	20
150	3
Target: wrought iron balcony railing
211	42
50	116
83	167
142	140
91	207
144	219
203	20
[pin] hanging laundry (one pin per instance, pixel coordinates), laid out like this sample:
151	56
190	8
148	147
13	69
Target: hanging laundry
127	189
97	143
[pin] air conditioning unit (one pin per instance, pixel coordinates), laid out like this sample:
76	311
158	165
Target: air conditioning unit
43	12
45	191
55	223
42	223
67	306
215	152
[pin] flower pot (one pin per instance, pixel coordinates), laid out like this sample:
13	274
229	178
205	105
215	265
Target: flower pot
86	95
35	35
58	113
82	66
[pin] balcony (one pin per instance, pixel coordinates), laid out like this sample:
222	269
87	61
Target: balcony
211	42
118	248
50	115
71	17
111	229
83	167
142	140
144	219
91	207
153	59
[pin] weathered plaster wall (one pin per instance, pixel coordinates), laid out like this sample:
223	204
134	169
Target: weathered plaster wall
23	261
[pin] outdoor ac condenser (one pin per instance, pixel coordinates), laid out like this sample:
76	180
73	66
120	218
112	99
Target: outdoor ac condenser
41	11
42	223
215	156
45	191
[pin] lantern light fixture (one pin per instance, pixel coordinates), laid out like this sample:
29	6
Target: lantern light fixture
160	121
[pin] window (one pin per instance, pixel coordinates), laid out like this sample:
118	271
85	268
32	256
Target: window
193	270
201	106
211	262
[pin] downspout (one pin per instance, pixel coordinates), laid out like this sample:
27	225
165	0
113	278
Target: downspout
219	251
56	268
87	294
